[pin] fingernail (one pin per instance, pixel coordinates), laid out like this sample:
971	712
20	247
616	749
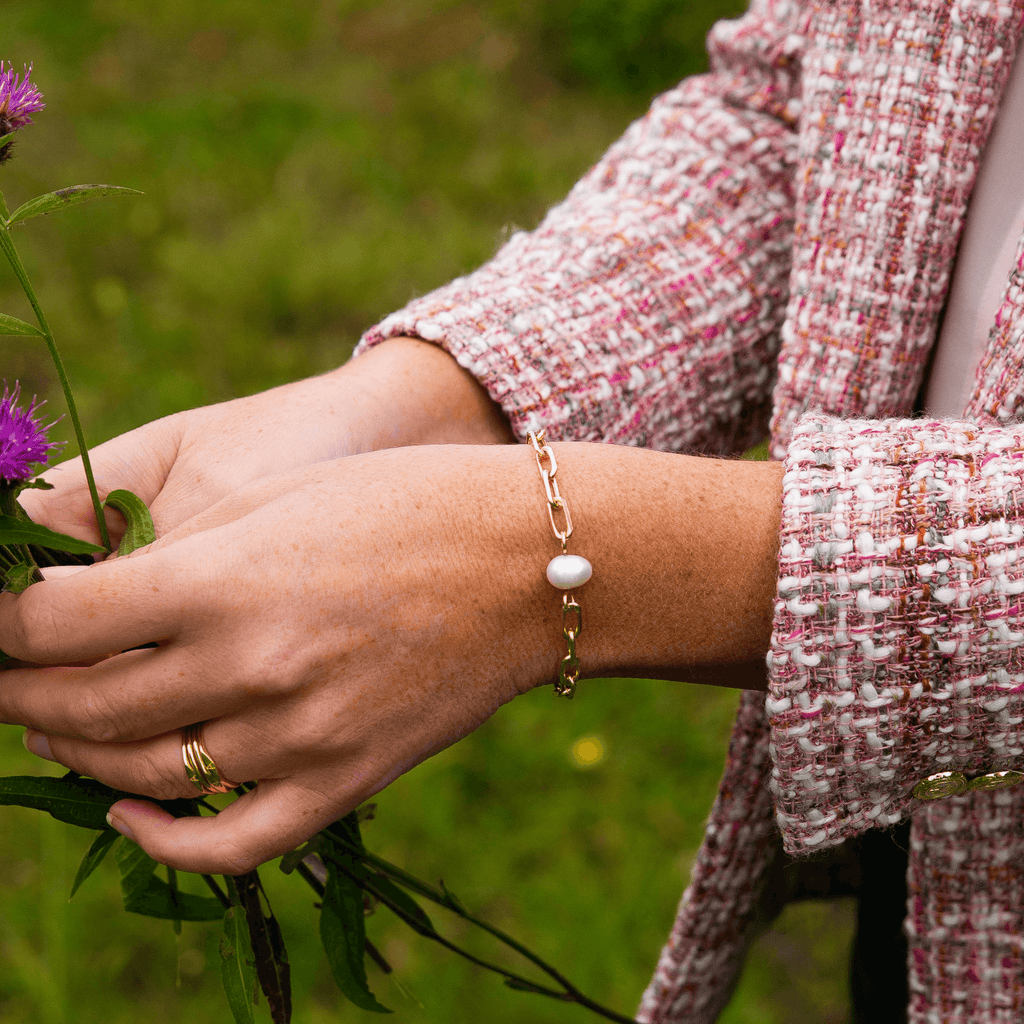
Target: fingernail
119	826
36	743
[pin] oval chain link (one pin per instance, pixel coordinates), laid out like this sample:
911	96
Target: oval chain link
556	501
569	669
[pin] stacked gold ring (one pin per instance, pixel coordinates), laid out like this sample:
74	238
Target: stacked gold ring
200	767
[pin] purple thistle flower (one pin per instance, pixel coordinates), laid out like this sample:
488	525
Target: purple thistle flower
23	440
18	99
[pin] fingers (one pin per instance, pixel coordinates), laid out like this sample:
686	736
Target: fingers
155	767
275	817
129	697
112	606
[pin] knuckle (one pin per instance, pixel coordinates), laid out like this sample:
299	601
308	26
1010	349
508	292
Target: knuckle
33	632
152	776
271	679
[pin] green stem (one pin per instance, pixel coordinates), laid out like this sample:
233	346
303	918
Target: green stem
571	993
217	891
7	244
368	886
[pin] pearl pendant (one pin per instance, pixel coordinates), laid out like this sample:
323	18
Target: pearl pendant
569	571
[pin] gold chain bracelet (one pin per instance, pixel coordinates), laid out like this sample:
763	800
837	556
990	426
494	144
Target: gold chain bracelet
565	571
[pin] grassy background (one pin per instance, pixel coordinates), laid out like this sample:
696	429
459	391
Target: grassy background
308	167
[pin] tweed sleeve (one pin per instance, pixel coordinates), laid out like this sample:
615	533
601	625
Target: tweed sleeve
645	309
898	645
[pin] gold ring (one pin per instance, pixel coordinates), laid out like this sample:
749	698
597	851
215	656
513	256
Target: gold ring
201	769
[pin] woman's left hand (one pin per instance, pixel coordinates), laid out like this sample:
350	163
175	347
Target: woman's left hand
335	627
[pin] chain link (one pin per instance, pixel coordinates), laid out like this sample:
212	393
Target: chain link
569	669
556	501
572	614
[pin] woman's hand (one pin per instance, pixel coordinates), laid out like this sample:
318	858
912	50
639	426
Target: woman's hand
336	626
402	392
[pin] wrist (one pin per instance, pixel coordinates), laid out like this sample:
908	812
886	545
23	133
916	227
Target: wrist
684	554
410	392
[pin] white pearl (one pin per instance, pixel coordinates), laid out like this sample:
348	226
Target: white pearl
569	571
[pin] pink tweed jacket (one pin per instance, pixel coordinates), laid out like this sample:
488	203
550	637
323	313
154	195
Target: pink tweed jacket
775	239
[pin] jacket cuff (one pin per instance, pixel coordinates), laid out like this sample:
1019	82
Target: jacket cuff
899	621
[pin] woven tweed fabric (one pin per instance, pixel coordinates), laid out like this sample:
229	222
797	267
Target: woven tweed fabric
999	387
794	216
646	308
899	626
904	96
966	911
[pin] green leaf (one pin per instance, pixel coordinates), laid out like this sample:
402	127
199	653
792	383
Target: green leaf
140	530
384	885
238	966
343	934
142	892
65	197
18	531
12	325
156	898
91	861
4	139
136	867
346	829
402	877
20	576
293	858
71	798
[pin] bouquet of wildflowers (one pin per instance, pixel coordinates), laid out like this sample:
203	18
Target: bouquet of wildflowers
347	880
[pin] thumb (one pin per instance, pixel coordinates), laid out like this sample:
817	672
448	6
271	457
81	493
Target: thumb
138	461
275	817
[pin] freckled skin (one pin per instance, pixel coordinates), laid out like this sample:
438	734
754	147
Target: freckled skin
336	624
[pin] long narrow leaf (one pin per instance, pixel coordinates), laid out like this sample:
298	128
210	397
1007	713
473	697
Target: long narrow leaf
12	325
65	197
157	899
136	867
343	934
94	857
237	966
77	801
20	531
401	876
399	896
331	850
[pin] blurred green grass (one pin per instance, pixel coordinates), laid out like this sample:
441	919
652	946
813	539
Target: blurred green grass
307	168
